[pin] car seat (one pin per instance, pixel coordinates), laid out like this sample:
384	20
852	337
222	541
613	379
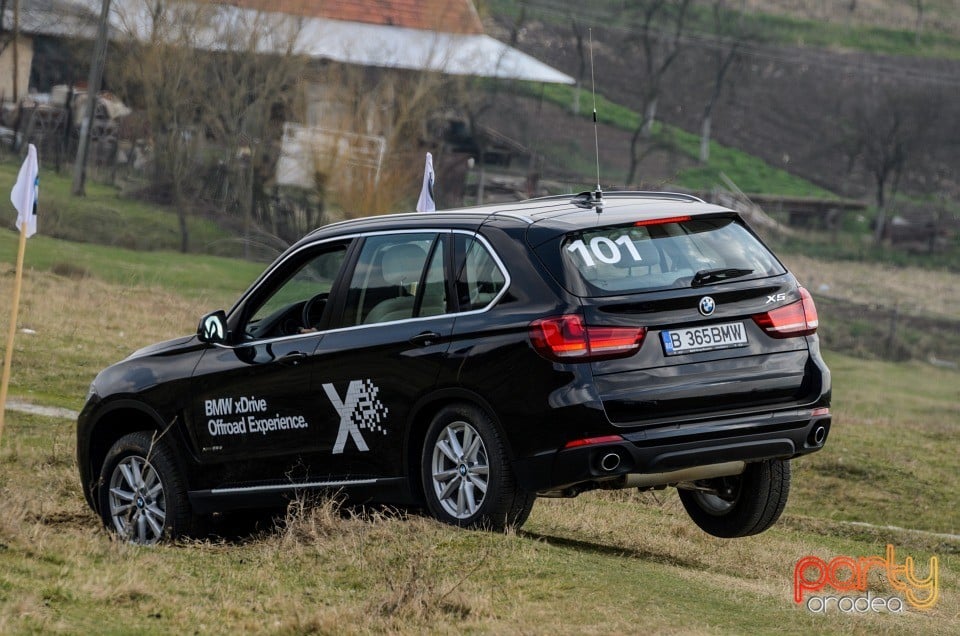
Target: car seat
401	267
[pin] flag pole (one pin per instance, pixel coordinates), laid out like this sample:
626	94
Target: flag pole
8	352
24	198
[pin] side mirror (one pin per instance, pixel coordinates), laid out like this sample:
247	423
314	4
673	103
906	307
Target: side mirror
213	328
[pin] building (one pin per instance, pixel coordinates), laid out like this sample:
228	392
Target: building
398	37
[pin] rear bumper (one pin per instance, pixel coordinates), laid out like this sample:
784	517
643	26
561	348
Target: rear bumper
783	435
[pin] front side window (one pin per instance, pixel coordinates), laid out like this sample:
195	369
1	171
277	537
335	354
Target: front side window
296	303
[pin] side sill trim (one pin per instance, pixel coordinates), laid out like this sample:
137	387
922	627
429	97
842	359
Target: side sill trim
282	487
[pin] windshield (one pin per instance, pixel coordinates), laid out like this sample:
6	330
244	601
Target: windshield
652	256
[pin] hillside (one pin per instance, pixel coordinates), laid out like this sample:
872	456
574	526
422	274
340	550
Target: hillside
791	104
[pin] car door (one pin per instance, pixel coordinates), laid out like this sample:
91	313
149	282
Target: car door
254	413
394	323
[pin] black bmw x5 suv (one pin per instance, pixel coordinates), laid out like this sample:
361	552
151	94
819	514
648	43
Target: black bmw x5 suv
471	361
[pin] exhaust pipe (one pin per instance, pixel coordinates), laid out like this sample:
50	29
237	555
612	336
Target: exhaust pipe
648	480
610	462
818	435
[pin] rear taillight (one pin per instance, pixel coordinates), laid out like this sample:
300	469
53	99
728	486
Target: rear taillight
795	319
567	339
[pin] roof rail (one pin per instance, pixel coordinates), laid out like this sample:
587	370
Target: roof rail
680	196
582	199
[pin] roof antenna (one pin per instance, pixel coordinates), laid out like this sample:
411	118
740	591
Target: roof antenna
598	193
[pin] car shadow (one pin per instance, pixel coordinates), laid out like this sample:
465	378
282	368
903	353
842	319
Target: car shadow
612	550
238	527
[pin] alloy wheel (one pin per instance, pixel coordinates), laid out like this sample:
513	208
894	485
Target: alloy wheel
137	504
460	470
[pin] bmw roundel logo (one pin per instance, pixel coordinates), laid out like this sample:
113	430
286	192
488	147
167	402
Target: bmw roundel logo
707	305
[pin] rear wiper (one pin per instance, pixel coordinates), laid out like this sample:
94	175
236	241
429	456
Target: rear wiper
706	276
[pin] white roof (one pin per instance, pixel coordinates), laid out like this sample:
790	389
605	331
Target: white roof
396	47
319	38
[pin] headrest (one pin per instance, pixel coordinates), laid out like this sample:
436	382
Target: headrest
402	264
649	256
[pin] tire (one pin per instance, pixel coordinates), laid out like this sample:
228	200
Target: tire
466	474
142	495
747	504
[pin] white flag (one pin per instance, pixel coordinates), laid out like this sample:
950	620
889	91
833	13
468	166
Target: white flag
426	203
25	192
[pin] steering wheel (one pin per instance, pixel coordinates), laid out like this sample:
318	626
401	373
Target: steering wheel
314	305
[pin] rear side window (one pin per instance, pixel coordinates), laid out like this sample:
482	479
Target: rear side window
647	257
478	276
385	283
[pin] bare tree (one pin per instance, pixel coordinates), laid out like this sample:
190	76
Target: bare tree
93	88
887	131
249	96
577	29
731	33
394	106
473	100
206	79
161	77
657	37
918	28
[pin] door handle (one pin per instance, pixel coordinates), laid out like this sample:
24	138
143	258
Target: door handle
425	339
293	358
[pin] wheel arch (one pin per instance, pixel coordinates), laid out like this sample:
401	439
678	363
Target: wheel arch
116	420
423	412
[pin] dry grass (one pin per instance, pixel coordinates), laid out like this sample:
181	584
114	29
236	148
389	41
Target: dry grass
596	564
601	563
70	328
912	289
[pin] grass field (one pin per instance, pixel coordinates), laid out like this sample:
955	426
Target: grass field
601	563
103	216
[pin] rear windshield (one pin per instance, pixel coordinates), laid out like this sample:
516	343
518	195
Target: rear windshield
638	258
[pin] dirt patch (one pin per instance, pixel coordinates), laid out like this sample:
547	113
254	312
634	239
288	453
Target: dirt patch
66	519
46	411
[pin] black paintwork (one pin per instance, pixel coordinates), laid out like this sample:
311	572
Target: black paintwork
750	403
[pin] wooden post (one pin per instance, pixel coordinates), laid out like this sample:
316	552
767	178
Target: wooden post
16	54
93	89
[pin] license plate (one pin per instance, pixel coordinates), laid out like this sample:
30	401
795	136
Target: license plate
677	341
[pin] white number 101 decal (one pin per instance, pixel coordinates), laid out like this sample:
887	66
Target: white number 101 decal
604	250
